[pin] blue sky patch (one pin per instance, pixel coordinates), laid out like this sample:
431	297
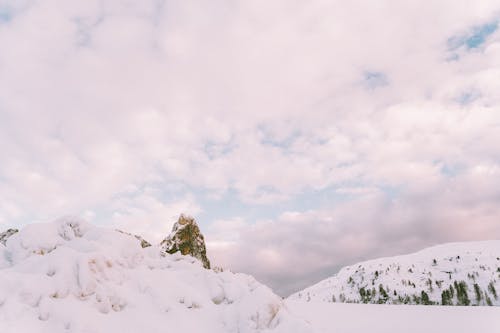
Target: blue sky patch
474	38
5	15
373	79
467	97
269	138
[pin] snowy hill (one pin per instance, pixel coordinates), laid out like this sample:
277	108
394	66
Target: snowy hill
449	274
69	276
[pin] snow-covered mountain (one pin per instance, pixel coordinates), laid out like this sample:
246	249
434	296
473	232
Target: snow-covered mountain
70	276
449	274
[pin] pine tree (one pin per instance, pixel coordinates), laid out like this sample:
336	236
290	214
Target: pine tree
429	283
364	294
425	298
478	292
383	295
446	298
491	288
462	296
452	291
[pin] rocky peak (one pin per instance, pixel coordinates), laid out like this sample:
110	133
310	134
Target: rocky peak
6	234
187	239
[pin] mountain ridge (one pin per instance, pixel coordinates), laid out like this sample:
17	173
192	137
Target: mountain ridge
458	273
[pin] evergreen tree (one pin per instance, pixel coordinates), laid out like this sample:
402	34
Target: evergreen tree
446	298
491	288
478	292
383	295
452	291
365	295
425	298
429	283
462	296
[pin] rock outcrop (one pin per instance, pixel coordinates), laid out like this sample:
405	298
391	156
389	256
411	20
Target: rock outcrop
187	239
6	234
144	243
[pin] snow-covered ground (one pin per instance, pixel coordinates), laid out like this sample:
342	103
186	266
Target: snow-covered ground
451	274
69	276
375	318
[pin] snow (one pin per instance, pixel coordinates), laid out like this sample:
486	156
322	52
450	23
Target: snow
431	270
376	318
70	276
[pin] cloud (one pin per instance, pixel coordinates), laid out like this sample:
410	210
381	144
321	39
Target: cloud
130	113
300	248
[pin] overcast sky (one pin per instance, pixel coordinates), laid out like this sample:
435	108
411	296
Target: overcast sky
303	135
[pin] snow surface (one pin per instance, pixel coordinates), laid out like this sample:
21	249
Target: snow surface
69	276
403	278
376	318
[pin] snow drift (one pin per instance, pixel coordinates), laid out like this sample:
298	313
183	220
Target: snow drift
70	276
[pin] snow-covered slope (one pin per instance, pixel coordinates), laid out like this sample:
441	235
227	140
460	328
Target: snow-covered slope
69	276
449	274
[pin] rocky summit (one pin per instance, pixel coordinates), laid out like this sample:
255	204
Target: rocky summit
187	239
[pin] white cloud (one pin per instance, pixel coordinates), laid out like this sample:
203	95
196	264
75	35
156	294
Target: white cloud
106	103
300	248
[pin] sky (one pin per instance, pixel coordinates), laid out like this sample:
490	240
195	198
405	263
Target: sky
302	135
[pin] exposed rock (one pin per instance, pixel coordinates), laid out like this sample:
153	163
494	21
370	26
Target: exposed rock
186	238
144	243
6	234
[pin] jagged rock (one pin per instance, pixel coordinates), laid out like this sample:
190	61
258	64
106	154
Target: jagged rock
6	234
187	239
144	243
